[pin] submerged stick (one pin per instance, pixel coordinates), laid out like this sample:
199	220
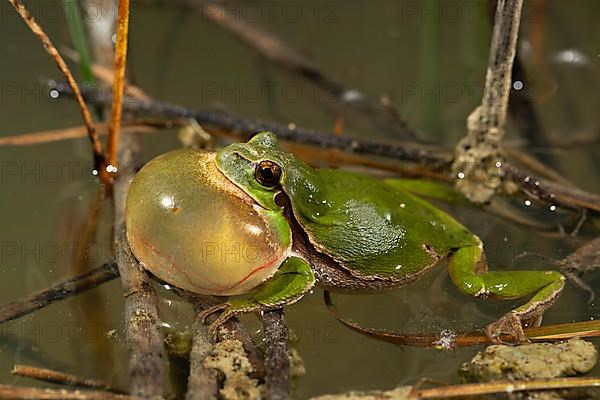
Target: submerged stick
202	382
144	337
49	375
58	291
479	162
277	359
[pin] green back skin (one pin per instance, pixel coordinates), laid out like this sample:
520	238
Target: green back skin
372	229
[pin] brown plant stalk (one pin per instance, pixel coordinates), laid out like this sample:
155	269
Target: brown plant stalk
114	129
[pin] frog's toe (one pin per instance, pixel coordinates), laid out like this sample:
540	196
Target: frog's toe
510	324
213	328
204	314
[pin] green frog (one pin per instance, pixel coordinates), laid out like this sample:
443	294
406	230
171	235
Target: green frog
260	227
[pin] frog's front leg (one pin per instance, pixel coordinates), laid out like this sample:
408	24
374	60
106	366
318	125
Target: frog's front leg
291	281
468	270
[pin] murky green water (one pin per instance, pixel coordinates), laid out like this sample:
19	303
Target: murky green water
429	56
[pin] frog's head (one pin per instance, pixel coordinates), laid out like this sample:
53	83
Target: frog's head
257	167
260	168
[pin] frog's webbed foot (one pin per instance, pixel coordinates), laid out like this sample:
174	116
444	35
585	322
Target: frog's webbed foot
510	324
226	313
291	281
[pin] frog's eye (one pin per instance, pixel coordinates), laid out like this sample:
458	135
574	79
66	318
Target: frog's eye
267	173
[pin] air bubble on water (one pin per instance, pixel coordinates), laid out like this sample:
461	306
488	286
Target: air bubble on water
54	94
498	164
572	57
552	207
168	287
402	205
518	85
111	169
291	126
165	324
351	95
527	203
461	175
95	172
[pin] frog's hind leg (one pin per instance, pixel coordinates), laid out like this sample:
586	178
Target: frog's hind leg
291	281
468	270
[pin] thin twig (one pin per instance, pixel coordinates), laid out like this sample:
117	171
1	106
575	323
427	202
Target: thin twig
550	192
277	359
429	159
266	44
77	132
114	129
450	339
146	351
49	375
99	158
27	393
472	389
59	291
413	152
518	156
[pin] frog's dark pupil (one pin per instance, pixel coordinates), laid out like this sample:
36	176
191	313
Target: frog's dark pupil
268	173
